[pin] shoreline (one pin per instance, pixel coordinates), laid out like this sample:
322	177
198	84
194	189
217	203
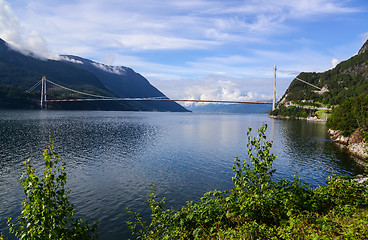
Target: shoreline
314	119
353	144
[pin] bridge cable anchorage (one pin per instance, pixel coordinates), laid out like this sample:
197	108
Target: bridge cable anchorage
308	83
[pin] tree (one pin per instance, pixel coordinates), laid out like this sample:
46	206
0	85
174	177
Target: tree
351	115
46	210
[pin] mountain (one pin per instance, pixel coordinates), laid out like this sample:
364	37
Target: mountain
231	108
21	71
348	79
125	82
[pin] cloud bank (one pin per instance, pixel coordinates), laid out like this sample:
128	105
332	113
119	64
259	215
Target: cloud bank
12	32
191	41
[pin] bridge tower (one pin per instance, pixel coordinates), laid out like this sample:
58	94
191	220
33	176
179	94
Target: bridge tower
274	89
43	93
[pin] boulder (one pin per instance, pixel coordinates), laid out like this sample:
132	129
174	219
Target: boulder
354	144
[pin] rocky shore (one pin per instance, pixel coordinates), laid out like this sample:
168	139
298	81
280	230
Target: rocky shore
353	144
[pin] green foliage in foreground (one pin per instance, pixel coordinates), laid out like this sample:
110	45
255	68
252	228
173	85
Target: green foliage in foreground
351	115
255	208
46	210
293	112
259	208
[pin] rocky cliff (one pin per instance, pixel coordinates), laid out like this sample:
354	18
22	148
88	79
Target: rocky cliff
353	144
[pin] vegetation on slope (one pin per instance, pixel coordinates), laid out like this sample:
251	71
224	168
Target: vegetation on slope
351	115
348	79
15	98
23	71
293	112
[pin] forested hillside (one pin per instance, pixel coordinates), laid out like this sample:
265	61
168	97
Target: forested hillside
344	90
125	82
20	71
348	79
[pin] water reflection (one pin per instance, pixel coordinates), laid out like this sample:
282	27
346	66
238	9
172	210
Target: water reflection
304	147
113	157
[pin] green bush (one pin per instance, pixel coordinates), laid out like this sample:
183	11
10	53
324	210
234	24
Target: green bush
351	115
46	210
257	207
293	112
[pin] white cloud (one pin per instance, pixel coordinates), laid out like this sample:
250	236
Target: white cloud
112	69
219	87
314	7
222	90
162	25
365	36
109	59
12	32
185	40
297	9
65	58
334	62
156	42
9	24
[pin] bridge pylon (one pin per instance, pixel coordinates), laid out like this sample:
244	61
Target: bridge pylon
43	93
274	90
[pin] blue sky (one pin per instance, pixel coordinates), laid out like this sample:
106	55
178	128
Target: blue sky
202	49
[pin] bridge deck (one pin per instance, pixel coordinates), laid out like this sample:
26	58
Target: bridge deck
154	99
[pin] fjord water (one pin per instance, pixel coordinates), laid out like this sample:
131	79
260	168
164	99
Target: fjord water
113	157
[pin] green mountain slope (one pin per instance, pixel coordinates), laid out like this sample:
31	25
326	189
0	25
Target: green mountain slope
125	82
21	72
348	79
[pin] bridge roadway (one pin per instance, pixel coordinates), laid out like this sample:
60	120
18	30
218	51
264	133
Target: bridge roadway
154	99
43	82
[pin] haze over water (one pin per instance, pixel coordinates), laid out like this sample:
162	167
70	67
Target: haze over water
113	157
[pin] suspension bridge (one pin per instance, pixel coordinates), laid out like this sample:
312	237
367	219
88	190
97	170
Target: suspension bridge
79	96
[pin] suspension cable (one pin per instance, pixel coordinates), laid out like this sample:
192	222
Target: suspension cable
87	94
34	86
308	83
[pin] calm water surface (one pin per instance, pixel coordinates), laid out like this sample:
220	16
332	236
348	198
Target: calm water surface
113	157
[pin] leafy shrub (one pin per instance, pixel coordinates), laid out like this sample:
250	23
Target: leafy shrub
46	210
352	114
259	208
293	112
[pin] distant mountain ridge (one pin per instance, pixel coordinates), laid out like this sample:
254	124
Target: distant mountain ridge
21	71
348	79
232	108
